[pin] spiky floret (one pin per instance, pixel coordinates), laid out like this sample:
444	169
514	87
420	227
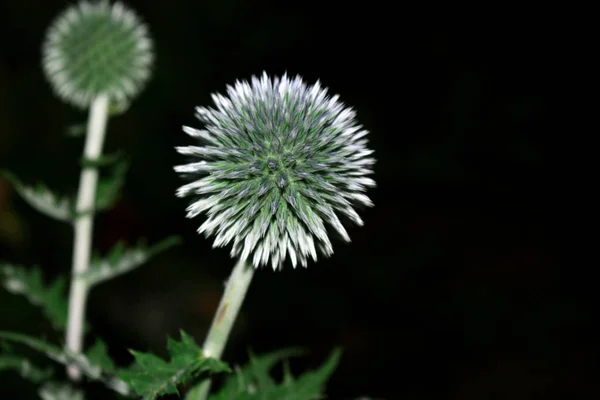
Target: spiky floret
279	159
96	47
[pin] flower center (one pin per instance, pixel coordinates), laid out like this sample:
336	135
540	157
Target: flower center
273	164
277	168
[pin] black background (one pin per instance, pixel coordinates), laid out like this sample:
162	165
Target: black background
452	289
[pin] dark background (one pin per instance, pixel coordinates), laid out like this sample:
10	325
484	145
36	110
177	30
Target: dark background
452	289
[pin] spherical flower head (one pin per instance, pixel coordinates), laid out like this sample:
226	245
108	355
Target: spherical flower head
279	163
96	47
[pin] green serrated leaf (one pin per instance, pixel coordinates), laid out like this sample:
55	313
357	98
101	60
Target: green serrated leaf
261	366
310	385
150	376
121	260
42	199
257	371
109	188
62	207
29	283
98	355
59	391
88	367
116	253
252	382
24	367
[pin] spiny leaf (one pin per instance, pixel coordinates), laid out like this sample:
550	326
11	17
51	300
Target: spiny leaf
109	188
150	376
310	385
98	355
24	367
119	260
252	382
59	391
42	199
87	366
29	283
258	369
255	373
62	207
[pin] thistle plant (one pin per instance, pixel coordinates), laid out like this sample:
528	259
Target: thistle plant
278	168
279	162
95	54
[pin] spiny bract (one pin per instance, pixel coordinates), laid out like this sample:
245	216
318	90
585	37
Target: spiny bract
96	47
279	159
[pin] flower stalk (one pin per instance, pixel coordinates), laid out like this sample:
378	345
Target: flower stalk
83	226
229	307
277	163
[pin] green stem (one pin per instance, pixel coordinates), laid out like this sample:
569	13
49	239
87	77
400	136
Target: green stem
83	225
231	302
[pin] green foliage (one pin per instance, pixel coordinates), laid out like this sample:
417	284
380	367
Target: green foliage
150	376
62	208
90	367
98	355
109	188
59	391
121	260
29	283
253	381
41	198
24	367
258	369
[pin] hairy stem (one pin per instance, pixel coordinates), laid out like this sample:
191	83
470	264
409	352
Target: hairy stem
231	302
84	222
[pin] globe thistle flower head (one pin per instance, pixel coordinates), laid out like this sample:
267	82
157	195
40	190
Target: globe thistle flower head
96	47
279	162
